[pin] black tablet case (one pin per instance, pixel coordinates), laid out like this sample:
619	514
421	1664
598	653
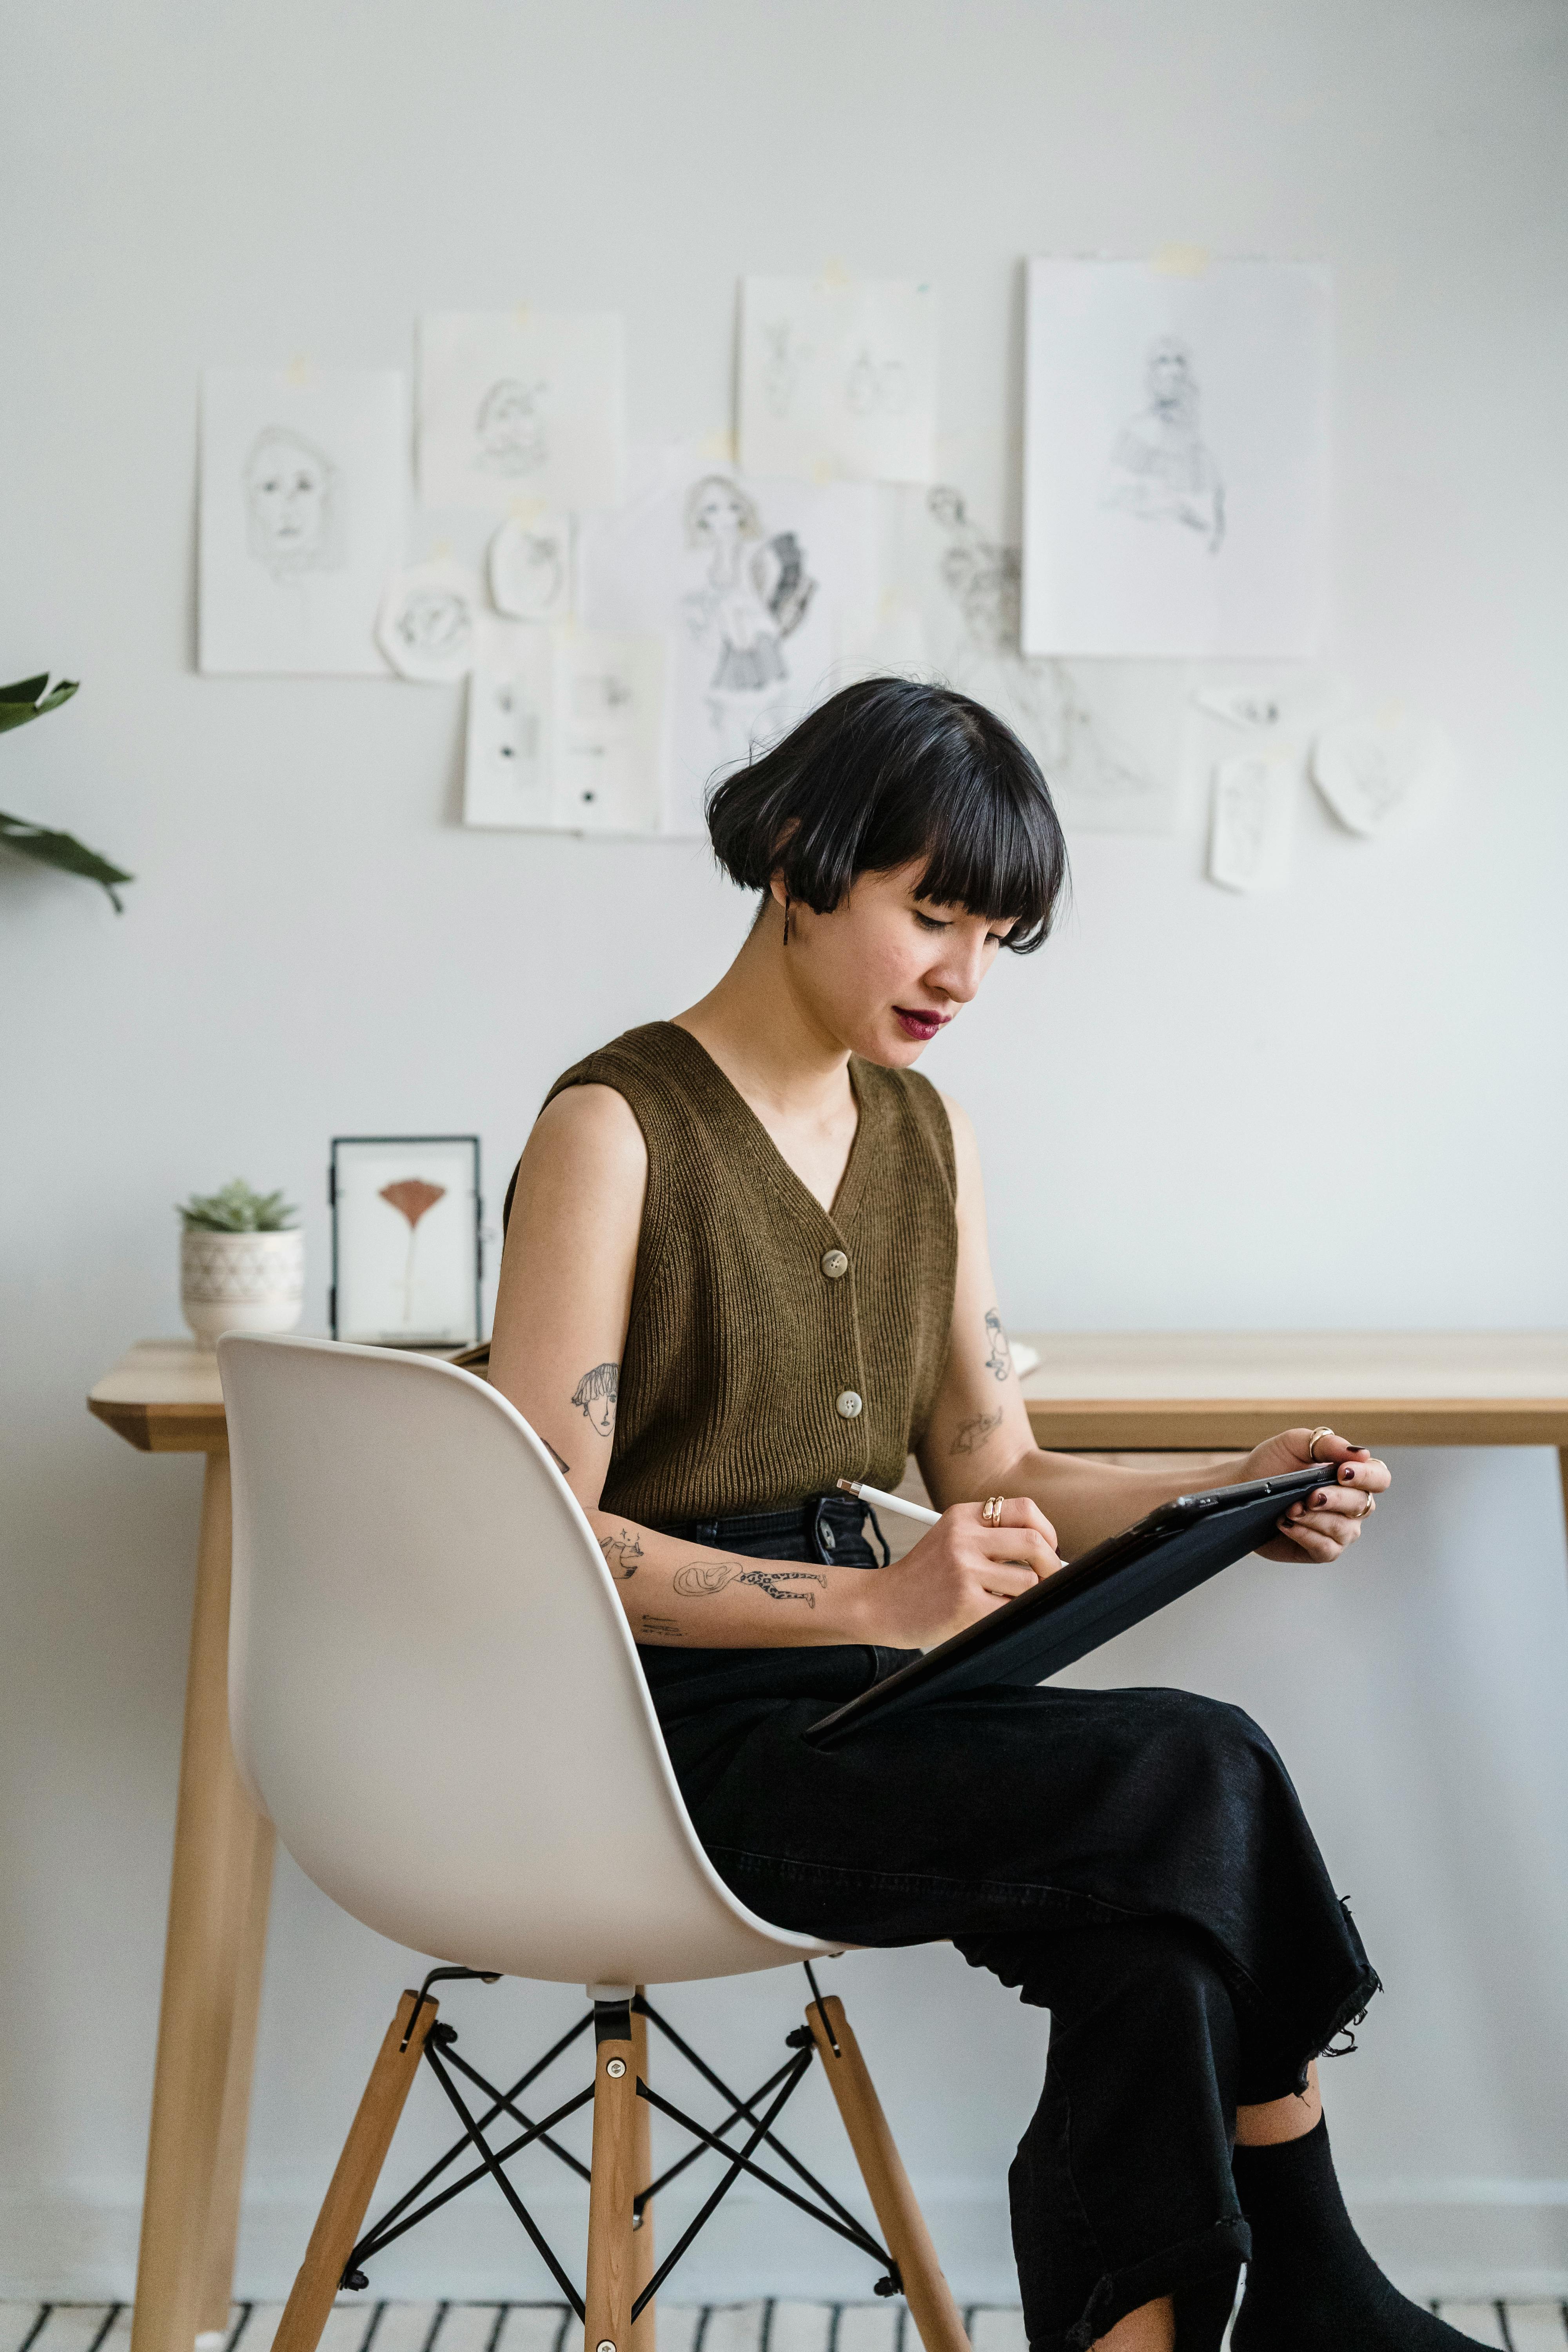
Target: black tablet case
1122	1581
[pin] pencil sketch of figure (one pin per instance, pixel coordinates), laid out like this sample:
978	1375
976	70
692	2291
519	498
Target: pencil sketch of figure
435	623
877	387
1042	698
1160	468
755	590
292	501
780	367
510	429
529	570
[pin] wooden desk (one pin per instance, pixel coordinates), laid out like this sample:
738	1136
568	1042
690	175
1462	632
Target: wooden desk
1160	1392
165	1397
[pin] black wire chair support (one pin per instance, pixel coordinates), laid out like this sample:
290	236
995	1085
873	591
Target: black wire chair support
750	2119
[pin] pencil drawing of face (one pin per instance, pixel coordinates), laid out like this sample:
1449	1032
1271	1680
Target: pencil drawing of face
533	574
594	1396
511	430
435	623
1160	468
291	501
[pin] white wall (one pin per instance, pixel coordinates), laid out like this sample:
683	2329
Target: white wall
314	948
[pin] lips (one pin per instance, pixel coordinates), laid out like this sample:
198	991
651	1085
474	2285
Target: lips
922	1026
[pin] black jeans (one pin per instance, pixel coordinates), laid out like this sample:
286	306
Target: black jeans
1137	1862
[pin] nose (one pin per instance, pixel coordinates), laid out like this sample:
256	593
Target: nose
961	969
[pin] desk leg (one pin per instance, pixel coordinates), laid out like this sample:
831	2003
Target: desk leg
212	1923
253	1888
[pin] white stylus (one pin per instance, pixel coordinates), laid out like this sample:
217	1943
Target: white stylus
891	1503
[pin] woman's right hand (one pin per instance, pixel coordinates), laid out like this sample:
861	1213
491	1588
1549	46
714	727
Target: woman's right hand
960	1572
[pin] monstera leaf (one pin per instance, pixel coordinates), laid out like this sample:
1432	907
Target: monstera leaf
31	698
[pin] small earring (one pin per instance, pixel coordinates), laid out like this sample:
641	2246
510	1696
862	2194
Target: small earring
786	922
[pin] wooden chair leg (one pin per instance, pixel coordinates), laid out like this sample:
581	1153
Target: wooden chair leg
607	2319
927	2292
359	2166
643	2262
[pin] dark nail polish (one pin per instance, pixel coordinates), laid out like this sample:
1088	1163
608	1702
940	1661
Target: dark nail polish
1318	1502
1347	1472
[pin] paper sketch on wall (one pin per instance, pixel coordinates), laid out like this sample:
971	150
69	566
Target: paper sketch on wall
431	622
839	379
1251	820
1175	467
301	516
761	592
1106	734
521	400
531	567
1382	771
1160	469
565	732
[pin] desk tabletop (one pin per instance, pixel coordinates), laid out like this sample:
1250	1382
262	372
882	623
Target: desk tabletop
1106	1388
1160	1389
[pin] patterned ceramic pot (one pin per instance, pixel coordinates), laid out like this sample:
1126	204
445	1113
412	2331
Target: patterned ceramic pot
241	1282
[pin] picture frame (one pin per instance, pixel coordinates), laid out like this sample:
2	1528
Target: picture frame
406	1251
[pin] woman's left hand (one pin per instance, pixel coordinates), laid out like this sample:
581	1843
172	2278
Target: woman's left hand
1330	1517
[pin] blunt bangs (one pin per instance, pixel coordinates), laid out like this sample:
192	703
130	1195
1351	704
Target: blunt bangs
887	773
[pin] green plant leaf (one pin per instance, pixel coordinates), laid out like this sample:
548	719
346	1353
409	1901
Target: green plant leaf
236	1210
27	699
63	851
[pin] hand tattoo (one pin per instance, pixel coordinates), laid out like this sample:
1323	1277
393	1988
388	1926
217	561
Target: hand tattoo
595	1394
973	1434
622	1554
702	1578
659	1629
999	1362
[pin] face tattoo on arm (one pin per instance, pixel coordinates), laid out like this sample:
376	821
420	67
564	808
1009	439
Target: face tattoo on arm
999	1362
594	1396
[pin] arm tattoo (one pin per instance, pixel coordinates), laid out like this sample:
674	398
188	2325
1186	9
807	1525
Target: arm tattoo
702	1578
564	1467
659	1629
973	1434
999	1361
622	1554
595	1394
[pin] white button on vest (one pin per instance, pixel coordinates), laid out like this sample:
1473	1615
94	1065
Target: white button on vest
849	1404
834	1264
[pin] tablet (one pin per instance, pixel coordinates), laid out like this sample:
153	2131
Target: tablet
1122	1581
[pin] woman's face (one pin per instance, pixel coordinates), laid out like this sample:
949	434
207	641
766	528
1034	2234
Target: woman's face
885	972
719	514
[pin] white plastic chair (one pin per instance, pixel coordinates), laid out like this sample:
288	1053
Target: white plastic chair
435	1694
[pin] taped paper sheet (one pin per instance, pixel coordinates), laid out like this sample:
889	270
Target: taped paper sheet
531	567
565	732
1176	459
764	593
302	478
838	380
1108	735
524	401
432	621
1251	822
1381	770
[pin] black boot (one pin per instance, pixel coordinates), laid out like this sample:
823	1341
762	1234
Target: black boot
1311	2286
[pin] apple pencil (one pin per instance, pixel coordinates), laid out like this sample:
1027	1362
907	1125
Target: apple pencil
894	1503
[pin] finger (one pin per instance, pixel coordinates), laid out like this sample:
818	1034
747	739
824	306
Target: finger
1348	1502
1020	1511
1329	1447
1006	1578
1319	1548
1368	1477
1337	1527
1023	1547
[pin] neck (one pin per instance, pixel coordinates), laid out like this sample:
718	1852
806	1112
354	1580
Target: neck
763	1035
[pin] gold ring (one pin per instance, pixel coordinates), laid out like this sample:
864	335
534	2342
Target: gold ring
1313	1442
991	1517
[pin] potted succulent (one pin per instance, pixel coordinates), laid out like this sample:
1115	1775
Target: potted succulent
242	1263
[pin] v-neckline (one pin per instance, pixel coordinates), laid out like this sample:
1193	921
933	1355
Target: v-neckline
771	1159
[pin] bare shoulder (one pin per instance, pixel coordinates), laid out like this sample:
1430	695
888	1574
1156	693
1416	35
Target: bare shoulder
589	1127
965	1144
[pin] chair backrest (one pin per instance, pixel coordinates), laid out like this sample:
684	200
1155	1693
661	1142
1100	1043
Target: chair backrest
433	1687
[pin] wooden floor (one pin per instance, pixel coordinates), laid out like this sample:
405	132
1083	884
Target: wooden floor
359	2325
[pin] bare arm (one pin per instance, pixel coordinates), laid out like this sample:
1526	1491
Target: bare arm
561	1314
980	1442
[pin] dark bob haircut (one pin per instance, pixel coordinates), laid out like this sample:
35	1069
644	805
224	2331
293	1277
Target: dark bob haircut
885	773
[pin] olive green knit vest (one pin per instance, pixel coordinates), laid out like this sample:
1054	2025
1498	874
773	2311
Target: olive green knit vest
773	1348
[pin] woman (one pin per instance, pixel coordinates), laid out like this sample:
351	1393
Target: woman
746	1257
